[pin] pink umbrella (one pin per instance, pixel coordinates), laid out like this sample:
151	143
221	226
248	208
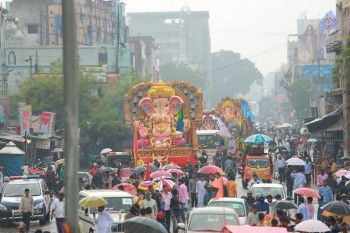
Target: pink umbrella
341	172
177	171
160	173
210	169
129	188
307	192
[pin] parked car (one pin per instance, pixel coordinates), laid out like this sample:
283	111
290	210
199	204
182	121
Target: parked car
209	219
240	205
269	189
119	204
9	205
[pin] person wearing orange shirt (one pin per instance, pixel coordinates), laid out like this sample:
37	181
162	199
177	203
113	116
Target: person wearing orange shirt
231	187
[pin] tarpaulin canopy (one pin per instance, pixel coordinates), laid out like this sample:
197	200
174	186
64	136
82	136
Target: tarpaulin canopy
11	158
324	122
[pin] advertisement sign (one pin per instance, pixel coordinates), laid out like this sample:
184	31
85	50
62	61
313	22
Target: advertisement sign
43	144
25	116
47	123
4	113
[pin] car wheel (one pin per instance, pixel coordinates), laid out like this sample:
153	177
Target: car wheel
3	223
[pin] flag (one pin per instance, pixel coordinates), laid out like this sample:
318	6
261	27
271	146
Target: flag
218	184
148	173
329	21
136	146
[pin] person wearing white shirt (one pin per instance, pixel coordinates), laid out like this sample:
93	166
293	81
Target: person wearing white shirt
58	211
149	202
1	175
104	220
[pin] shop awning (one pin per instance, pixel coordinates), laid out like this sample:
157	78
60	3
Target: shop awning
324	122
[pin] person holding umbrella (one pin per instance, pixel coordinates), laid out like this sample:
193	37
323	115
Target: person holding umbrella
104	220
303	209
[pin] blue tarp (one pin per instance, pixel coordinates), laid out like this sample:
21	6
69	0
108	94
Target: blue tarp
12	164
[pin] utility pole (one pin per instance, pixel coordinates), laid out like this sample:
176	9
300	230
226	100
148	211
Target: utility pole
3	12
30	60
118	38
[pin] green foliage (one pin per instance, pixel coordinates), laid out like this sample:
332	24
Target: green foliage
232	75
101	118
341	68
299	92
182	72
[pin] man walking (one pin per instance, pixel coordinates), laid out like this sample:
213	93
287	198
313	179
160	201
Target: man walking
183	198
281	166
307	171
58	211
193	190
26	207
289	181
104	220
326	192
303	209
299	181
200	189
149	202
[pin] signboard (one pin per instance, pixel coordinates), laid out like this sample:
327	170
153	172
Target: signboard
25	116
4	113
47	123
43	144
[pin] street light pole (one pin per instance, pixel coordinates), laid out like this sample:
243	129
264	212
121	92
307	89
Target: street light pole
30	60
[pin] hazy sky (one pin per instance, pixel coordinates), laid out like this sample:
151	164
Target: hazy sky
257	29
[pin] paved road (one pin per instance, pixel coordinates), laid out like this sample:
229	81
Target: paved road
52	225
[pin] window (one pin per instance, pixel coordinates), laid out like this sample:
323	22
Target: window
33	28
11	58
258	163
102	56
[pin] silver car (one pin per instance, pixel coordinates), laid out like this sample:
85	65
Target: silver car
209	219
240	205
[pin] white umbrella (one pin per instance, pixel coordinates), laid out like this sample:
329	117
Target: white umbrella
295	162
312	140
347	176
312	226
105	151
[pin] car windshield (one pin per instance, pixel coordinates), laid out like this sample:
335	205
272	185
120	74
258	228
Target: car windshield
237	206
208	141
267	191
211	222
17	190
258	163
118	203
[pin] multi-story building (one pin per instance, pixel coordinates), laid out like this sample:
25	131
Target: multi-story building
180	36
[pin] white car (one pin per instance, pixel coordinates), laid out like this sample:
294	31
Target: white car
209	219
14	191
269	189
119	204
240	205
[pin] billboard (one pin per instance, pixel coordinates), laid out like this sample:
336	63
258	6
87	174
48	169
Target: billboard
47	125
320	75
24	117
4	113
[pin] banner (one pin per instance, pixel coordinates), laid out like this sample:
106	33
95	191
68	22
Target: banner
4	113
47	123
329	21
25	117
43	144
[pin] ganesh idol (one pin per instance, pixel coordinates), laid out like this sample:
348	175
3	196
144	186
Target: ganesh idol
161	107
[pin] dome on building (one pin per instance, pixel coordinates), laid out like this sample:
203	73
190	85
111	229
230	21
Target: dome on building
11	29
18	36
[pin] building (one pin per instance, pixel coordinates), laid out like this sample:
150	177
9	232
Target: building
180	36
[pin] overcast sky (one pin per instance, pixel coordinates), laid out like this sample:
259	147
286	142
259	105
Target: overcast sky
257	29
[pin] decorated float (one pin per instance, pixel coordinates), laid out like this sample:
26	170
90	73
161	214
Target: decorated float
164	117
226	126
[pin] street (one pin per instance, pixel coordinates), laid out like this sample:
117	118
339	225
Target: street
51	227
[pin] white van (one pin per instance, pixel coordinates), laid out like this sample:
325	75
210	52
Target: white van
119	204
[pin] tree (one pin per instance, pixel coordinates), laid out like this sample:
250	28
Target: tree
299	92
182	72
341	69
232	75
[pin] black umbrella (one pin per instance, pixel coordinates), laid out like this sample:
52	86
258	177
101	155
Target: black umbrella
337	207
285	205
106	169
139	169
144	225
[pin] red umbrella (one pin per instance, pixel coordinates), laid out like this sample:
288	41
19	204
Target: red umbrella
171	166
341	172
160	173
129	188
307	192
177	171
211	169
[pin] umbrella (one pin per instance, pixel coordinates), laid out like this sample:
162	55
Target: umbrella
177	171
341	172
139	169
307	192
160	173
58	162
312	140
295	162
337	207
286	125
328	214
146	184
92	202
84	175
347	176
285	205
144	225
171	166
312	226
129	188
152	166
257	138
105	151
57	150
304	131
167	182
280	148
210	169
105	169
